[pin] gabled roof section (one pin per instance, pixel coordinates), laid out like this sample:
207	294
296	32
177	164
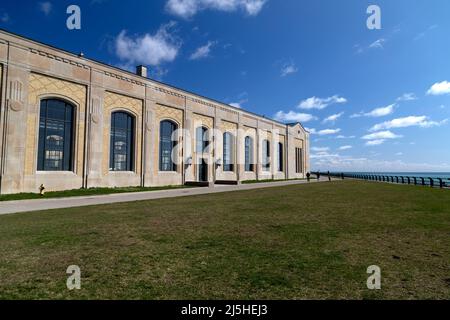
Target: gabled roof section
294	124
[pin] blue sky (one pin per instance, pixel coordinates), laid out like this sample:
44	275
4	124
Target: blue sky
374	100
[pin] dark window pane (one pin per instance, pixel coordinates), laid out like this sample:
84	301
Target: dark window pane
202	139
69	113
167	144
121	156
55	136
248	154
228	158
43	113
266	155
280	157
56	110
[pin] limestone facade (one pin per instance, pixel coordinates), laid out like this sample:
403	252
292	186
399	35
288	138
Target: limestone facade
31	71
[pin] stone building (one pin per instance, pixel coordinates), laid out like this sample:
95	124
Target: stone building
68	122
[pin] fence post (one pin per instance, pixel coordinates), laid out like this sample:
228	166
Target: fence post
431	182
423	181
415	181
441	183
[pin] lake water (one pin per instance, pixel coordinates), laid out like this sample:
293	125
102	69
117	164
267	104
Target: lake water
444	175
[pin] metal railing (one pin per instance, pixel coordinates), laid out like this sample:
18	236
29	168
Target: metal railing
433	182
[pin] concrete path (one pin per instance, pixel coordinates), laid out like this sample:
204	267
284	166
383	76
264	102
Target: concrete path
8	207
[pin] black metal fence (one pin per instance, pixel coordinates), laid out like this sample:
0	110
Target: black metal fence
433	182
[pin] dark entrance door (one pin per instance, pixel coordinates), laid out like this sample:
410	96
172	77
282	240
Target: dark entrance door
203	171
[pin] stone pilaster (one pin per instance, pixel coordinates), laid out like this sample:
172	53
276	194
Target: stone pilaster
15	139
95	139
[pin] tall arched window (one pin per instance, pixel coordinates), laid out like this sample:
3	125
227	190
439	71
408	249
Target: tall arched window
202	139
228	159
266	155
249	164
55	136
167	143
280	157
121	149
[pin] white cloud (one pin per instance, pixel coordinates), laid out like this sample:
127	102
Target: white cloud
422	34
420	121
189	8
379	44
321	103
243	98
148	49
345	137
407	97
375	142
439	88
320	149
399	154
288	69
381	112
323	155
362	164
378	112
325	132
293	116
203	51
381	135
333	117
345	148
45	7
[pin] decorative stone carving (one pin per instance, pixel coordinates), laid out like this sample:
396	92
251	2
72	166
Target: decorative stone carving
148	123
203	120
96	110
229	126
135	106
16	95
163	112
38	86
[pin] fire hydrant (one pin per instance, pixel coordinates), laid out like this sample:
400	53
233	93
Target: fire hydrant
42	190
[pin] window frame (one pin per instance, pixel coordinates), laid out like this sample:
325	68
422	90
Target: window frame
249	151
68	163
228	147
266	165
131	141
280	157
205	142
174	142
298	160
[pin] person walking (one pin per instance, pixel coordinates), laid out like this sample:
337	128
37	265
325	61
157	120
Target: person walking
329	176
318	175
308	176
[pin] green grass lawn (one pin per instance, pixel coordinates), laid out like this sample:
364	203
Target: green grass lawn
303	241
83	192
268	180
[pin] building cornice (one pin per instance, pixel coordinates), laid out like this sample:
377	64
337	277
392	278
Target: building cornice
65	56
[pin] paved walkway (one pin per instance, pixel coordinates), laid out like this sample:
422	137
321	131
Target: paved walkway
8	207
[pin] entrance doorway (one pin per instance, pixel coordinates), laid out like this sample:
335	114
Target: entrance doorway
202	171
